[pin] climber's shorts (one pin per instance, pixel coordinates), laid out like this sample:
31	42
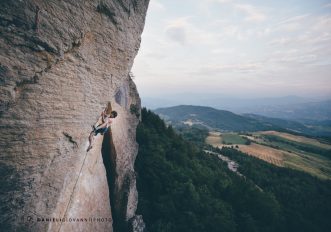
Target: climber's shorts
100	131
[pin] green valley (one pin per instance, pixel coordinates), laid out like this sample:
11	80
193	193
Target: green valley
182	188
255	136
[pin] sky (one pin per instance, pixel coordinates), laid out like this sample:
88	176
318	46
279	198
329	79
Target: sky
250	48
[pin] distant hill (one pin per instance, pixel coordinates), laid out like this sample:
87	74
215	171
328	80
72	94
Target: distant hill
314	128
227	121
302	112
211	118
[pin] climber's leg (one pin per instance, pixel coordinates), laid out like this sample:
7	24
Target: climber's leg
90	139
99	130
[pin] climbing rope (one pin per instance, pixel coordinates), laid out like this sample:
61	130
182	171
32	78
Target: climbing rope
81	168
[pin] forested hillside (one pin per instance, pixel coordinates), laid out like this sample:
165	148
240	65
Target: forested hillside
181	188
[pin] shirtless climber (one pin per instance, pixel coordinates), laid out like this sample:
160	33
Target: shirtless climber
101	128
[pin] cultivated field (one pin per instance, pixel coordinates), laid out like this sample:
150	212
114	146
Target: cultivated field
233	138
214	139
297	138
277	153
265	153
218	139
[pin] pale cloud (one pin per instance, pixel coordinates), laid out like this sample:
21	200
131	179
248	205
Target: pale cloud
182	31
227	68
220	1
298	59
176	30
155	5
281	41
307	39
231	30
263	32
253	13
314	31
296	52
291	24
322	24
222	51
156	55
177	34
297	18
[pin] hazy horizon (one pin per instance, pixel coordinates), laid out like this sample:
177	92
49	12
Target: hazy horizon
225	102
244	49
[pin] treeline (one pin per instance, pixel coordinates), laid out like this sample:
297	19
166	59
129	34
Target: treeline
183	189
193	133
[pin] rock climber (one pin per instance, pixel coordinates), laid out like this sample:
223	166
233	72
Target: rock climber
101	128
104	115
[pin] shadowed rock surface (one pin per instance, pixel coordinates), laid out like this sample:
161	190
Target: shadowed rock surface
59	66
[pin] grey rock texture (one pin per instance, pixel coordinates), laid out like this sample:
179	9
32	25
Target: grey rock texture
137	224
59	66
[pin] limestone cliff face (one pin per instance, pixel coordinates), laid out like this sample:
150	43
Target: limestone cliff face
61	61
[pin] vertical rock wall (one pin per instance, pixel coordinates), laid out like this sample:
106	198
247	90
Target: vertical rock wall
59	66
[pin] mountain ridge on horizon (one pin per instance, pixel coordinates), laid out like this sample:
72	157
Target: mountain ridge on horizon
224	101
289	107
228	121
